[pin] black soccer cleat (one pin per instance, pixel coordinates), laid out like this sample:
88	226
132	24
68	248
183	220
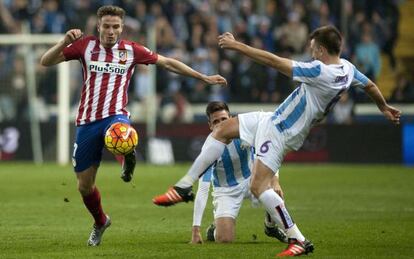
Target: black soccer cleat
128	166
276	232
210	233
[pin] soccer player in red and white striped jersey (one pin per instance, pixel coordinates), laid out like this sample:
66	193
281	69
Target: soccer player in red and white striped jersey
108	63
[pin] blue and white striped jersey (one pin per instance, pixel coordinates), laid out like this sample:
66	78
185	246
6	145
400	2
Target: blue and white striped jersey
308	104
232	167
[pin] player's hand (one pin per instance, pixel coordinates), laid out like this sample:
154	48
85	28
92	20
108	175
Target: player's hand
226	41
392	114
275	185
214	80
278	189
196	236
72	35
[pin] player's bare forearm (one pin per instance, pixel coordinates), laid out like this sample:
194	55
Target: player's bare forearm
179	67
54	55
284	65
391	113
374	93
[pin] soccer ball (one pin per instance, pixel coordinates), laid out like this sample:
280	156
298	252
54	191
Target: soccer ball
121	138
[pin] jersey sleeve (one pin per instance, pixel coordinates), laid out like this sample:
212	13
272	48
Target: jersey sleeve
200	202
207	175
306	72
143	55
75	50
360	80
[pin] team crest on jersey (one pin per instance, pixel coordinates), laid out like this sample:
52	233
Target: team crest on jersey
123	56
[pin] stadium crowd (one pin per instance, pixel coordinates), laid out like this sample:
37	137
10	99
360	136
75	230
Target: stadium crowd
187	30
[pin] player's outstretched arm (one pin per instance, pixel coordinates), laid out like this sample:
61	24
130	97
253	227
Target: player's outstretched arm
200	203
391	113
179	67
284	65
54	55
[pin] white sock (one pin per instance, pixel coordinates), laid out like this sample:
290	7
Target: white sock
211	151
276	208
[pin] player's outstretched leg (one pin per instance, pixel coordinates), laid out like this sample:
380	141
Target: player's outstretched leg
182	190
128	166
174	195
296	248
97	232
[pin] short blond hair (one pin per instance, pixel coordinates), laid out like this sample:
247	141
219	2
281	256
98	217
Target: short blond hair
110	10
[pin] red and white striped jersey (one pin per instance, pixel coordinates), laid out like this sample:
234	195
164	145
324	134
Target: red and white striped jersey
106	75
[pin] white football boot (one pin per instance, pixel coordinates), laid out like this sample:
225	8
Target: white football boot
97	232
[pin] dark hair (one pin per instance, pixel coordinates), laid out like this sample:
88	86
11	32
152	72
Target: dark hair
110	10
329	37
213	107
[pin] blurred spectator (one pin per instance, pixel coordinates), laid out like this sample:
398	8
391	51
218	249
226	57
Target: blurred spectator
367	54
189	29
343	111
322	17
355	22
54	20
179	23
177	111
140	13
265	34
380	31
7	23
199	93
293	34
164	33
20	10
78	12
273	13
403	91
141	82
12	91
224	19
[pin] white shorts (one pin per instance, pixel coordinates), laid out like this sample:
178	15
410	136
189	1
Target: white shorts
258	130
227	201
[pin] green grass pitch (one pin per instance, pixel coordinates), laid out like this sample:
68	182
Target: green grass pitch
348	211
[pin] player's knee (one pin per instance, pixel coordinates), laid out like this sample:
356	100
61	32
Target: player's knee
85	189
255	189
224	232
224	238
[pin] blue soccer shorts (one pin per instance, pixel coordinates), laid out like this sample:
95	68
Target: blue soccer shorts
89	142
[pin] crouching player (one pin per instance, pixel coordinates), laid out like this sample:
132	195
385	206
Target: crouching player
230	176
227	201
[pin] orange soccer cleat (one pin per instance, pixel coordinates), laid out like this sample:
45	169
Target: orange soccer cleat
174	195
296	248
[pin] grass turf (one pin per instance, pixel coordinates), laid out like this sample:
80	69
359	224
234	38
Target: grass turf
348	211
